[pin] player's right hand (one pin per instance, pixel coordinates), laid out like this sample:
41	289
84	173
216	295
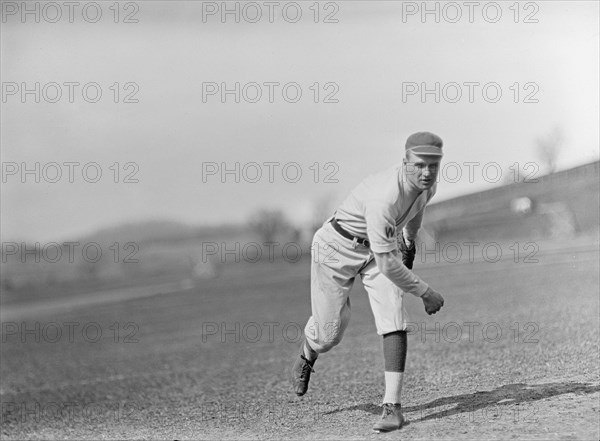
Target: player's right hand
432	300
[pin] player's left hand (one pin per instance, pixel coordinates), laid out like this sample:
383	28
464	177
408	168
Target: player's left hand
432	300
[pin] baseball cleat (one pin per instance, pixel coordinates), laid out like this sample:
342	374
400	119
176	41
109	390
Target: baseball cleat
391	419
301	374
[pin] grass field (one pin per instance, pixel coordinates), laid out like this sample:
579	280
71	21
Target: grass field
512	355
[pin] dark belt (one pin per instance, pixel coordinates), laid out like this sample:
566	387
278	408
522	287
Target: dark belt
337	227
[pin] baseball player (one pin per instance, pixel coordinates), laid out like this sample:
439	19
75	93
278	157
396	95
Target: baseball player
372	235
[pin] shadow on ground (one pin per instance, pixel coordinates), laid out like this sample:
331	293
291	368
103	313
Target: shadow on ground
511	394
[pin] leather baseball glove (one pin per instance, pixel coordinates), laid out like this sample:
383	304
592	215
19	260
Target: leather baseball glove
408	252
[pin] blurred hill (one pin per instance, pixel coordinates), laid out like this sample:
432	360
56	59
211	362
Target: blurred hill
130	255
157	231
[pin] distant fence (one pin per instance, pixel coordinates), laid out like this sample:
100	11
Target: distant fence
562	203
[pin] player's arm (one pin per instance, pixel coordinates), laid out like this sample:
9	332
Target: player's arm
382	237
390	264
381	231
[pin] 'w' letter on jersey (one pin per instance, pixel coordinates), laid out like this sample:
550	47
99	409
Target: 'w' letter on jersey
390	231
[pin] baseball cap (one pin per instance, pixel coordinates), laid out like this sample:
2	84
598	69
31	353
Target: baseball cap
425	143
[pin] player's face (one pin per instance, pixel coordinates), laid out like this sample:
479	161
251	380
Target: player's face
422	171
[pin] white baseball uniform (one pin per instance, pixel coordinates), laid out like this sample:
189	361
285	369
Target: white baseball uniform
378	209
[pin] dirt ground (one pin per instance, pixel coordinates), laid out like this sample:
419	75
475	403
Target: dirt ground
512	355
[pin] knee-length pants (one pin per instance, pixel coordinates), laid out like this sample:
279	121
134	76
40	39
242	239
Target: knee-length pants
336	261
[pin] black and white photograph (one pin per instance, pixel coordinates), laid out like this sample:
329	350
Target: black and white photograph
300	220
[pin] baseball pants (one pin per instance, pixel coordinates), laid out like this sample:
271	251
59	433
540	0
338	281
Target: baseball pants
336	261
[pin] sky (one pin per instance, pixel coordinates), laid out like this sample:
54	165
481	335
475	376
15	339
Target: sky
164	137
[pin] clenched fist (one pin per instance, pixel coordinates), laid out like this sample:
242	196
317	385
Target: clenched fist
432	300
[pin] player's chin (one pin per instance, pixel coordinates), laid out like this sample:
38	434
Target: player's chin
426	184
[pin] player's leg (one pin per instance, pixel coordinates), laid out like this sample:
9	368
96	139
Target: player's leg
332	276
335	263
330	304
386	301
324	330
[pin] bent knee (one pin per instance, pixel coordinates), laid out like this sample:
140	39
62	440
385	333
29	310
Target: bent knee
323	345
325	337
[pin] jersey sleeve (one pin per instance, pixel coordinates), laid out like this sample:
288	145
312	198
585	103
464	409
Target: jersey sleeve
381	226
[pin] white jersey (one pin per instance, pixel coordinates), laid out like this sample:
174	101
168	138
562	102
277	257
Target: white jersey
380	207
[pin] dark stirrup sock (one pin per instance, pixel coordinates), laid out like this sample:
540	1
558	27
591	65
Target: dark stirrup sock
395	345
